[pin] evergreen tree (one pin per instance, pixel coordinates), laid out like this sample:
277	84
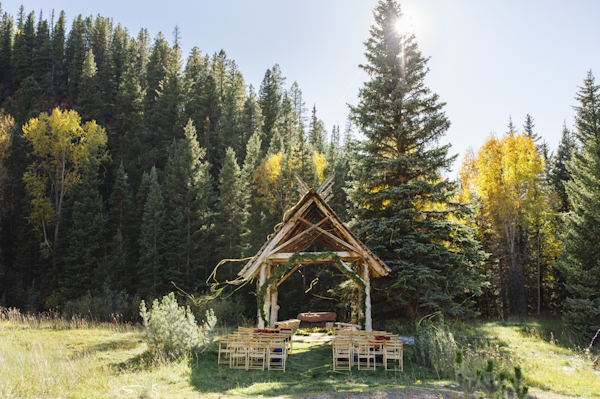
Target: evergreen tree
559	174
288	126
58	75
89	103
581	252
120	223
256	224
404	210
75	53
270	95
528	129
85	247
251	121
233	105
152	242
42	56
6	51
188	190
164	120
231	211
316	132
23	47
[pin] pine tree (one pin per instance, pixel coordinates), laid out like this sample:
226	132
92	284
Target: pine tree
23	47
270	95
6	51
130	128
233	106
86	246
403	207
58	74
256	224
89	103
251	121
559	174
75	53
119	228
581	252
152	242
188	190
42	56
231	211
316	132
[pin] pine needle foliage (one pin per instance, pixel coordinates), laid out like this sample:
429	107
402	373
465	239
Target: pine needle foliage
580	263
405	211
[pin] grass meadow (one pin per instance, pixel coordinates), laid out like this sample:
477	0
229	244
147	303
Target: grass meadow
49	357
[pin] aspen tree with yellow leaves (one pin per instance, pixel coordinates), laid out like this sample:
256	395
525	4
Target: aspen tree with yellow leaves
502	177
62	147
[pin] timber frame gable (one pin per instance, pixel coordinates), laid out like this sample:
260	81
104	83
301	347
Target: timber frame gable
311	220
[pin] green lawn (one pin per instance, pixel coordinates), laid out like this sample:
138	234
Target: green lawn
42	361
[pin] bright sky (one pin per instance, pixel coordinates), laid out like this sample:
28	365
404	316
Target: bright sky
490	60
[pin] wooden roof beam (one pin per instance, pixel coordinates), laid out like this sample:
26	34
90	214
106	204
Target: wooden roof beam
283	257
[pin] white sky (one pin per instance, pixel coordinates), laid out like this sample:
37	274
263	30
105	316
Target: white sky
489	59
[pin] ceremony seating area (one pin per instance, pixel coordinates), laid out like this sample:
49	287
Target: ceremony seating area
366	350
256	349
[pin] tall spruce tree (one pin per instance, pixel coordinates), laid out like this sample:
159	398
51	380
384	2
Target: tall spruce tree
580	261
404	210
188	190
120	228
89	103
559	174
152	241
85	244
232	211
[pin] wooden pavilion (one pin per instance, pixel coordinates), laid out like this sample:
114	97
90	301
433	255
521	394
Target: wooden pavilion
312	220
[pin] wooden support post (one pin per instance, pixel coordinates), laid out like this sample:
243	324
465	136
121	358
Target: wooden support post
359	312
267	307
367	280
274	306
261	280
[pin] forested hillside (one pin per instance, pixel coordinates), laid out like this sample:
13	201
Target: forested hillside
174	162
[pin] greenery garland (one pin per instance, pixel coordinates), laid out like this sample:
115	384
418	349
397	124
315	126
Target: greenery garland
296	258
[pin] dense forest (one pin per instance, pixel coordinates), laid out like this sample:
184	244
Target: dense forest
129	170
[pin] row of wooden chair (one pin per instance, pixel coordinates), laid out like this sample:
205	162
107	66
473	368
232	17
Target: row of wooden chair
367	350
249	350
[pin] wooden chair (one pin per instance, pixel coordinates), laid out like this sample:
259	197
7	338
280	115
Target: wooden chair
225	349
342	355
393	351
377	350
238	357
363	350
277	355
257	355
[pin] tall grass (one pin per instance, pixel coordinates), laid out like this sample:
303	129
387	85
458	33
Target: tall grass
56	321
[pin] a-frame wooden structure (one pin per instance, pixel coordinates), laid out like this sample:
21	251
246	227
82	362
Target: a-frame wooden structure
310	220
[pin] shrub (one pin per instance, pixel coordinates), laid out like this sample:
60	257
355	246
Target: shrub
172	330
435	347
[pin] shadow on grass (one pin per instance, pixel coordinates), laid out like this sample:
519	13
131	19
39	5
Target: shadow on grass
308	372
550	329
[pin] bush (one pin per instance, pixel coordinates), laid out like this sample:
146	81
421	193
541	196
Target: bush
172	330
435	347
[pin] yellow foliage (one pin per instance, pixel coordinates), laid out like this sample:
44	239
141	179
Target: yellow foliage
503	178
269	182
320	164
62	148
